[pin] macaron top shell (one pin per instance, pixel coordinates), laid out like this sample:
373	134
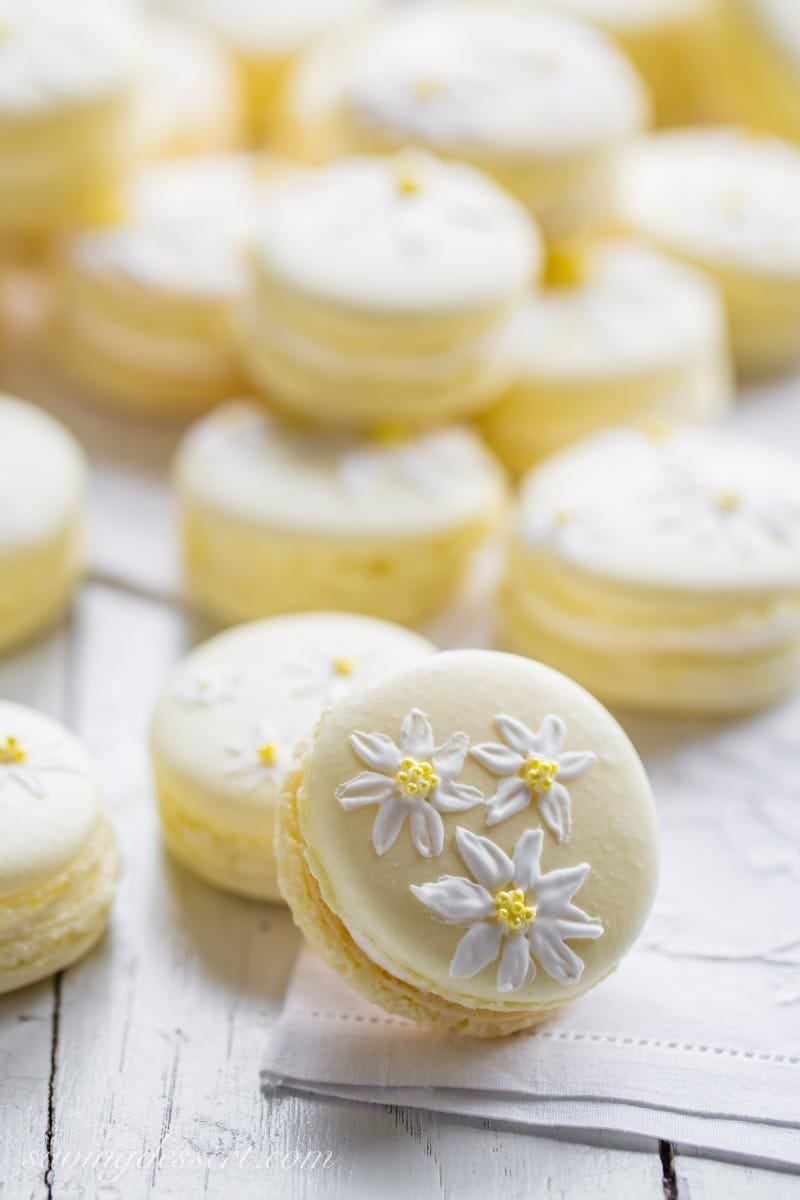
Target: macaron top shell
686	511
42	477
634	310
501	81
403	235
230	716
241	462
275	29
718	196
187	225
483	828
55	54
49	798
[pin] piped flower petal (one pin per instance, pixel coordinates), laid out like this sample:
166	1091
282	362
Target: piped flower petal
515	734
455	900
388	823
368	787
557	812
479	946
490	865
573	763
456	797
427	831
515	962
512	796
448	760
416	735
498	759
377	751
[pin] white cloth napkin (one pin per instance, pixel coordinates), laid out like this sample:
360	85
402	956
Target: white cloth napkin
696	1039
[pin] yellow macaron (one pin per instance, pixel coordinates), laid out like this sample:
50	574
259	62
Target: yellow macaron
661	569
42	490
471	842
538	100
58	853
67	76
619	334
729	203
375	285
228	721
279	518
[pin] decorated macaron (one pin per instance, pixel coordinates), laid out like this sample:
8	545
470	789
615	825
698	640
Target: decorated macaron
67	76
620	334
471	842
668	42
187	99
375	284
757	75
728	202
278	518
662	570
58	853
144	308
265	41
538	100
42	486
229	719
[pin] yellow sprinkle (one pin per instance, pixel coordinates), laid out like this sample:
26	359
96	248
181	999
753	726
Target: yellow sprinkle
539	773
427	88
344	666
562	517
11	752
389	433
728	501
513	910
416	778
566	267
268	754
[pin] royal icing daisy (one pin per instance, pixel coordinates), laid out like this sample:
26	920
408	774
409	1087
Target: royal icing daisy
514	914
415	780
533	766
260	756
24	762
207	689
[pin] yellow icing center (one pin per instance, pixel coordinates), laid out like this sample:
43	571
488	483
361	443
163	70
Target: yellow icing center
344	667
268	754
728	501
562	517
657	431
539	773
427	88
513	910
11	752
416	779
565	268
389	433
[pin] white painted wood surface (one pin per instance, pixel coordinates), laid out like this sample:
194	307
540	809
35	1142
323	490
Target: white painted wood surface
135	1073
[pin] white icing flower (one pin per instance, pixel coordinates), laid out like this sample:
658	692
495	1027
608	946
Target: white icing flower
327	673
513	912
417	462
24	763
533	765
260	757
415	780
704	502
206	689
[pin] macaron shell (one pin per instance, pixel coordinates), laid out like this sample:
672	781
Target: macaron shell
49	803
614	828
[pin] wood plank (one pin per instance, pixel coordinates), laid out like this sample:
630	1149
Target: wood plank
36	676
708	1179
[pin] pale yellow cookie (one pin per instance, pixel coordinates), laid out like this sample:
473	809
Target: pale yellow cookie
661	569
227	723
620	334
471	842
277	518
375	286
538	100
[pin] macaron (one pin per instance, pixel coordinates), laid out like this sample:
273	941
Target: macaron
757	76
67	76
265	41
58	853
229	719
662	571
538	100
471	842
668	42
144	308
375	285
278	518
620	334
727	202
42	492
188	99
